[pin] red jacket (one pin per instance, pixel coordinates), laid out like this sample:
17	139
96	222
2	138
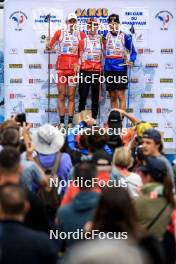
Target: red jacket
69	48
92	53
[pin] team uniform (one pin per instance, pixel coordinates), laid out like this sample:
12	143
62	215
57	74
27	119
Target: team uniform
90	67
115	52
69	48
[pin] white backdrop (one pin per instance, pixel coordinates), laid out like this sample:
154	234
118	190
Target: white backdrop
152	88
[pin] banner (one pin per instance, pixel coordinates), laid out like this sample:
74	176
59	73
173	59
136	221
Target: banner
152	79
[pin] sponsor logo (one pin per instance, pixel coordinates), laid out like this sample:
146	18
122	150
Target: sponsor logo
167	51
163	110
18	20
51	110
139	37
166	96
168	139
169	66
19	66
31	81
168	125
36	96
165	18
16	96
42	19
152	65
147	95
51	52
35	125
52	96
13	51
146	110
140	51
92	12
148	80
31	110
148	51
30	51
154	124
130	110
16	80
51	66
43	38
35	66
134	80
166	80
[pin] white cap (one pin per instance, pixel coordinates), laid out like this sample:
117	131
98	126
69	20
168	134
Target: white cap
71	16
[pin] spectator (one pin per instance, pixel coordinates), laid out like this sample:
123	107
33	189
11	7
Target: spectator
10	173
123	160
83	128
155	206
139	158
115	213
153	146
73	217
20	244
48	141
156	198
31	173
102	161
125	136
103	252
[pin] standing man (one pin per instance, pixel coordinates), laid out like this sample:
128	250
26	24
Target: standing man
116	44
67	65
91	67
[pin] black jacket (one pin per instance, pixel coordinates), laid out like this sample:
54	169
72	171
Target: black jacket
22	245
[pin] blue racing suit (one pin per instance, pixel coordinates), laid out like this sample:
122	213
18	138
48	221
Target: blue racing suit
115	50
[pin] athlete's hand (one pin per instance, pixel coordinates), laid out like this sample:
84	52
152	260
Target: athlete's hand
48	48
76	68
129	63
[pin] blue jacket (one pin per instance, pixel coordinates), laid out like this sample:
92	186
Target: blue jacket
112	64
72	143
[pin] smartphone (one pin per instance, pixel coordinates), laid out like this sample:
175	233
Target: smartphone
21	118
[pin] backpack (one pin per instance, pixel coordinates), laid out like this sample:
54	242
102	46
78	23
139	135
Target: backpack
49	195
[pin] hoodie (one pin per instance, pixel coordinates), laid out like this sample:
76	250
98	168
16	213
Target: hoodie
74	216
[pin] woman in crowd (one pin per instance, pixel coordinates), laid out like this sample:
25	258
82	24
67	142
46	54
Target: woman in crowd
123	160
116	214
156	205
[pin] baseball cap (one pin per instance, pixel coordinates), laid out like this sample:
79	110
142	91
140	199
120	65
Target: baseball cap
72	16
156	167
153	134
142	127
114	18
115	119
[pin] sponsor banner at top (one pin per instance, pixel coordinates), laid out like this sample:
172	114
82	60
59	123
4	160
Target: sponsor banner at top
40	18
135	16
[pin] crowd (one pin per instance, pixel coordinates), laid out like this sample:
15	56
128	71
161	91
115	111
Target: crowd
86	197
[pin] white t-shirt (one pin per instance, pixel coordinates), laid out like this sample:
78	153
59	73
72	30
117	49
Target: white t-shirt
134	183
